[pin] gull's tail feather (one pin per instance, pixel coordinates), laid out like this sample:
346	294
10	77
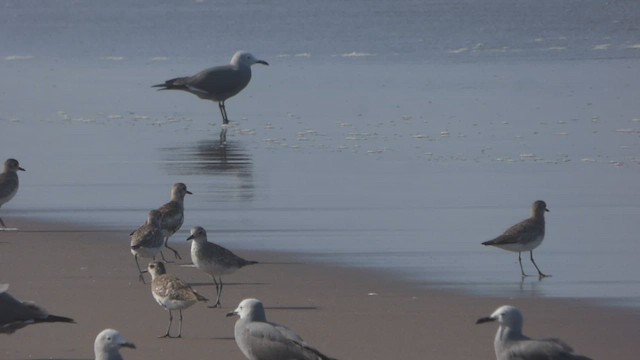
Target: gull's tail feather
173	84
312	353
200	297
56	318
248	262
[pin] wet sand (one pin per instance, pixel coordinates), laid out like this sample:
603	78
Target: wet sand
90	275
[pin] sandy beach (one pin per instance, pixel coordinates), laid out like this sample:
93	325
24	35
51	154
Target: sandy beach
89	275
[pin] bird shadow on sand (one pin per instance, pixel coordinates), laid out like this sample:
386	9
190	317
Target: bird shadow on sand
206	284
292	307
224	338
55	358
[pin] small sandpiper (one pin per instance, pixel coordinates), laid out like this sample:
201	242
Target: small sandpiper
171	293
213	259
173	214
147	240
9	182
524	236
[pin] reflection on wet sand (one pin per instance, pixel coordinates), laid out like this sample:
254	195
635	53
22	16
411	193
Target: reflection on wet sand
227	164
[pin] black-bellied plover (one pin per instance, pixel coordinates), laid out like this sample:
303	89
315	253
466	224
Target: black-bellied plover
9	182
16	314
171	293
259	339
524	236
213	259
511	344
217	83
147	240
173	214
108	344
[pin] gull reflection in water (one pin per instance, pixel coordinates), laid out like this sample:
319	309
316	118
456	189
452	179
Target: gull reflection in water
227	164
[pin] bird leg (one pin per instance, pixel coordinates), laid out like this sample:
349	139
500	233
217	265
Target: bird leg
218	290
540	274
164	259
175	252
180	325
223	111
140	277
521	269
2	223
168	327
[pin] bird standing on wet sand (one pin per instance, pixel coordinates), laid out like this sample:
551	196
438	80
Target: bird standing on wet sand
171	293
16	314
214	259
108	343
217	83
9	182
147	240
172	214
511	344
524	236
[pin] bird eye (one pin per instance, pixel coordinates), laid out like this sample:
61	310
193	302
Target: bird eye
108	338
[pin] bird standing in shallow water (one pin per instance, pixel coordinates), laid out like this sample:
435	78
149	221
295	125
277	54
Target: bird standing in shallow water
214	259
217	83
524	236
511	344
171	293
9	182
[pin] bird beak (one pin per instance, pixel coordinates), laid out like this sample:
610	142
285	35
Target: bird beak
232	313
262	62
21	169
547	210
128	345
485	320
189	192
190	238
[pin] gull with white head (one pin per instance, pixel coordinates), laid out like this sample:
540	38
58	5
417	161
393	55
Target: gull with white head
217	83
108	344
511	344
259	339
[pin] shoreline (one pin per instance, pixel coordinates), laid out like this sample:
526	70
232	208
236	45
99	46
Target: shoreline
347	313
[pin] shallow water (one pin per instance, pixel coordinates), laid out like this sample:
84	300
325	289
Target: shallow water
393	156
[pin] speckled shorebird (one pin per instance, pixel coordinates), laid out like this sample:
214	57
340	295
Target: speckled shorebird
173	214
213	259
259	339
108	344
217	83
16	314
171	293
511	344
147	240
524	236
9	182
